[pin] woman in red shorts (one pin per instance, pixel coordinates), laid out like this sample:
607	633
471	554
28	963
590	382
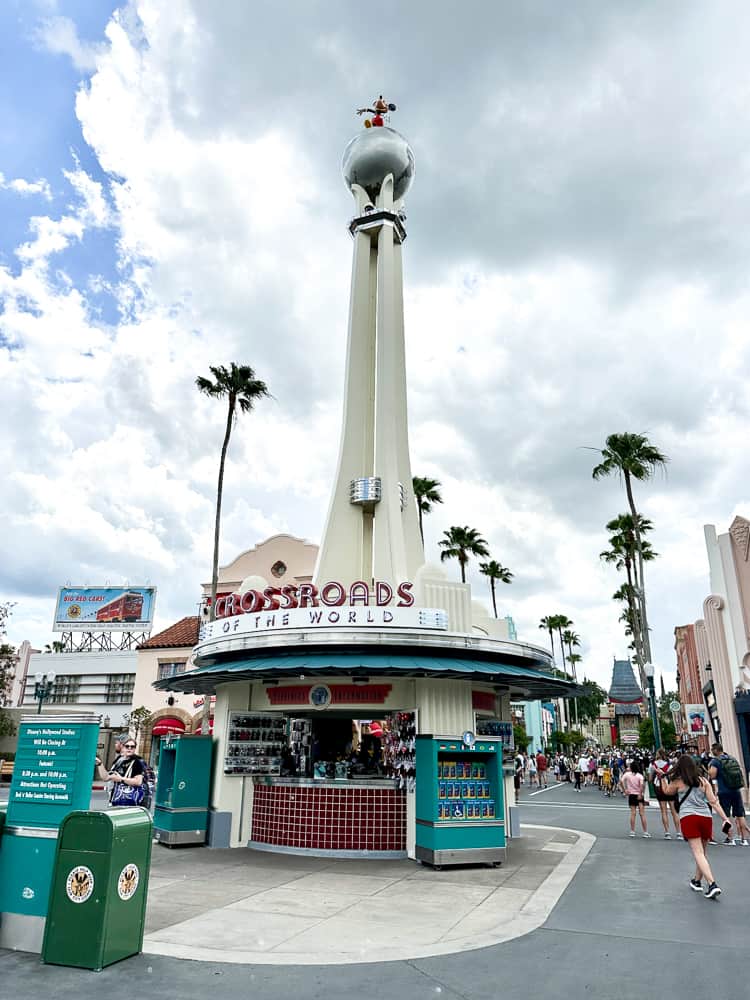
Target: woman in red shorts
695	799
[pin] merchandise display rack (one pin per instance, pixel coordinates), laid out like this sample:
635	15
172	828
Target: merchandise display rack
256	743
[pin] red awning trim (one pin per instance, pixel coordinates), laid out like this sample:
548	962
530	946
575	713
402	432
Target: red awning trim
163	727
483	701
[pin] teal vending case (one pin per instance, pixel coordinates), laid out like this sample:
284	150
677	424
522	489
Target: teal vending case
183	788
460	809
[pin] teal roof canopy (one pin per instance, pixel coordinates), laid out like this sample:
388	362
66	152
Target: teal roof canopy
536	683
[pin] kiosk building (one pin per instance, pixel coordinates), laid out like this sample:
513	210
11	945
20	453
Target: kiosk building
324	688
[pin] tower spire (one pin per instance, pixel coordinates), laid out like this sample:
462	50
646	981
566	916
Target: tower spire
372	530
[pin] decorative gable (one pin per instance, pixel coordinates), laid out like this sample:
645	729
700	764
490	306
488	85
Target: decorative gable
740	532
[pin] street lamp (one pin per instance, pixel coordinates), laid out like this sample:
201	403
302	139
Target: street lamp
43	686
648	669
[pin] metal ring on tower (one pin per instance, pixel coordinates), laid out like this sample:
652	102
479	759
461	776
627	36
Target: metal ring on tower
365	491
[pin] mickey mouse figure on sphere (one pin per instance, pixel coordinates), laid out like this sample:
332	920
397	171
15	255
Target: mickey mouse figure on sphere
379	108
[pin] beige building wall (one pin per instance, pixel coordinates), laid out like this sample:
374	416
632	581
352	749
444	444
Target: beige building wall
281	559
147	671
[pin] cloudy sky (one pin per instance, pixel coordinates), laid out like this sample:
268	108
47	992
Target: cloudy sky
171	197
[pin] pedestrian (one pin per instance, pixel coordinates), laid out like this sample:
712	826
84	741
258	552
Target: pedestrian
659	771
556	767
695	798
120	740
564	768
581	768
632	785
592	769
541	768
126	775
518	775
616	773
532	769
726	774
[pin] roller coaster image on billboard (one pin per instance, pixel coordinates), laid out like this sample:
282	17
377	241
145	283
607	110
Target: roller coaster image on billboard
103	609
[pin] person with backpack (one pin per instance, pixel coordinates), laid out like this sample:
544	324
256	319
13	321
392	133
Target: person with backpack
694	800
726	773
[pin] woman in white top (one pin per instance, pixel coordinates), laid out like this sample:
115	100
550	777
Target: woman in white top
695	799
532	769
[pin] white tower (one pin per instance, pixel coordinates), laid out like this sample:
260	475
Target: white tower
372	528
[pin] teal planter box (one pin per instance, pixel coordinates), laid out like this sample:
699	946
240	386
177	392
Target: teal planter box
460	807
183	790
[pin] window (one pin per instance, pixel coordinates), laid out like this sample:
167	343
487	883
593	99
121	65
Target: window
120	688
171	669
65	690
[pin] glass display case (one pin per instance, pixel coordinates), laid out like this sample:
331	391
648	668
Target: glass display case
256	743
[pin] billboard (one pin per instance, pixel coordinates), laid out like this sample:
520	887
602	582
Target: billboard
104	609
696	719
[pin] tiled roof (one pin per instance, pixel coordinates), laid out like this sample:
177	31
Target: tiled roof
182	633
624	687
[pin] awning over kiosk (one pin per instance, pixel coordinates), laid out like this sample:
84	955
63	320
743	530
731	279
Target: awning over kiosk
163	727
533	683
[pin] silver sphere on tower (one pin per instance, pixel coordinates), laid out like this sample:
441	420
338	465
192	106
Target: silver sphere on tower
375	153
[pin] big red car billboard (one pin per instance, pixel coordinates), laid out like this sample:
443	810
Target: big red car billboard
104	609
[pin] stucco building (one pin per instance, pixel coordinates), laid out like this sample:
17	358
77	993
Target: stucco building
281	558
722	640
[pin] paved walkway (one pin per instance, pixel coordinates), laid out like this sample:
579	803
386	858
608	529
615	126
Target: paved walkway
253	907
627	925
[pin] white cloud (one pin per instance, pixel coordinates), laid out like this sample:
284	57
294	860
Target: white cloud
59	35
575	266
24	187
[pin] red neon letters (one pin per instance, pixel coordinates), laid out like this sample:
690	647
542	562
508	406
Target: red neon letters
307	595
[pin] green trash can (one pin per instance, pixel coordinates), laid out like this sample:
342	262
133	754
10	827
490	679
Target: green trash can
97	905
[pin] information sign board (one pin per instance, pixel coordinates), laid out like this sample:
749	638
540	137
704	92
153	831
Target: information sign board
53	769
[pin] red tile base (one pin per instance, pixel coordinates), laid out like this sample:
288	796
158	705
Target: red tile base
330	819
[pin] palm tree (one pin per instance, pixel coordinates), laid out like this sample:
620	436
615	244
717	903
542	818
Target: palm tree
623	554
562	622
572	639
572	659
494	571
632	456
460	543
548	624
426	494
239	386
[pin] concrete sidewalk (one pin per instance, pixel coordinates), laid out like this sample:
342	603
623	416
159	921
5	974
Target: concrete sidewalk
252	907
